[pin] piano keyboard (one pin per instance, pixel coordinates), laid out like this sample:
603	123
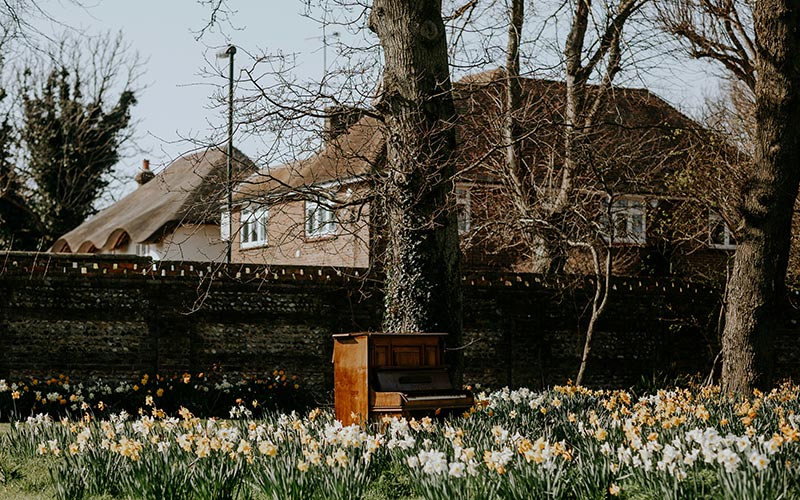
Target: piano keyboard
431	398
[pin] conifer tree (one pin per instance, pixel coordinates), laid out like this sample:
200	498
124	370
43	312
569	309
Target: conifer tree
72	144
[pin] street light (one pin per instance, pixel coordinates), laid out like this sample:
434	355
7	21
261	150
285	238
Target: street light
228	54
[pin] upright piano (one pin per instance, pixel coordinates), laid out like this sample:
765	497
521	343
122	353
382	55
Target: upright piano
388	374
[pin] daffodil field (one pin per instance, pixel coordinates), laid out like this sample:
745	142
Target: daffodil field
208	394
566	443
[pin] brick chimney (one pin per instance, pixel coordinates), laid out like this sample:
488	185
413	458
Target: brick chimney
145	174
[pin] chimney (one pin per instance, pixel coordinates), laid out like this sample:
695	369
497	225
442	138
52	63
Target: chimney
340	118
145	175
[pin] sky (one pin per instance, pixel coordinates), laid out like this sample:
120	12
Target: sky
175	101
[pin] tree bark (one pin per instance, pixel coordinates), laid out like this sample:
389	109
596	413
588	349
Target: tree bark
756	286
575	80
602	288
423	276
511	130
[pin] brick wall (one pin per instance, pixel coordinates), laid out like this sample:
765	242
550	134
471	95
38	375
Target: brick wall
119	317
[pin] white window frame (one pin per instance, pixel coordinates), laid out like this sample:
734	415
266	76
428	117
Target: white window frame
728	241
320	219
624	212
253	226
463	206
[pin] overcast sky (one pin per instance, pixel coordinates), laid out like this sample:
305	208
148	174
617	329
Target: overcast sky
175	101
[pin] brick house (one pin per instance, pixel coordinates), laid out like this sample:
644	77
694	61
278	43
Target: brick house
314	211
317	211
172	215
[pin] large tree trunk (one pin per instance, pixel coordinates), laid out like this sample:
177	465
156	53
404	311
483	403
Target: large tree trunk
423	276
756	286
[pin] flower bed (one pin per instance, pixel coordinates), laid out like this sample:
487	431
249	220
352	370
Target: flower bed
566	443
208	394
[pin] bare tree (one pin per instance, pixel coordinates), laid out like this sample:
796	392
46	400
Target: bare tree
715	30
18	24
547	210
731	114
15	19
74	117
412	117
582	108
755	42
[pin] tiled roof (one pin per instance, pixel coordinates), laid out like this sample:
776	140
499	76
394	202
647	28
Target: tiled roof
352	154
636	130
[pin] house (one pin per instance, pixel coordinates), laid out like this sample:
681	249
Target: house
172	215
314	211
631	191
319	210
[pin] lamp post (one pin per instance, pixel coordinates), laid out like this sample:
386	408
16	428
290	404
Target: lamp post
229	53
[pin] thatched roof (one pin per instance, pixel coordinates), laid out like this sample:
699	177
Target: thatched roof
189	191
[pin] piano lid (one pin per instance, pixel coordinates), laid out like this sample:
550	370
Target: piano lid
385	334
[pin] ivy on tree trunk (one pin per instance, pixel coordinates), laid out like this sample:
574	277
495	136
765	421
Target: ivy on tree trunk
422	264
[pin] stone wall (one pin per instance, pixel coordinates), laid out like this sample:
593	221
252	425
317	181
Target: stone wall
119	317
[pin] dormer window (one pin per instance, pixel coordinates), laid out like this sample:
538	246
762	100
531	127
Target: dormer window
626	221
320	219
719	235
253	231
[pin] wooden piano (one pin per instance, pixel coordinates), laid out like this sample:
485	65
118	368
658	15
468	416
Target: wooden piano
380	374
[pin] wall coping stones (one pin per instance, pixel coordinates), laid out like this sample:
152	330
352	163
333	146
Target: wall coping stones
37	265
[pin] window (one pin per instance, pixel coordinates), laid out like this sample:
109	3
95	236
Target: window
627	223
463	210
719	235
320	220
254	227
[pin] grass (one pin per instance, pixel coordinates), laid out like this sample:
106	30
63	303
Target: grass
394	483
24	480
29	479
